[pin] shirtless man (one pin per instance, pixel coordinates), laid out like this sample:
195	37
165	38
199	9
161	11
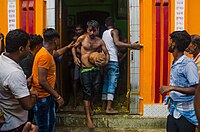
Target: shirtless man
90	79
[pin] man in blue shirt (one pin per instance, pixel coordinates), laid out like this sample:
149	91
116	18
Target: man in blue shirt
183	82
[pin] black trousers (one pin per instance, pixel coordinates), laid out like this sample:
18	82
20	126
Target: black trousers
179	125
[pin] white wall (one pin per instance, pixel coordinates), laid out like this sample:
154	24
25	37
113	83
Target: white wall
51	14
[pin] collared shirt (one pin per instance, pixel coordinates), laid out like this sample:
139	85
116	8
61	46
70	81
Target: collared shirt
183	73
13	86
178	109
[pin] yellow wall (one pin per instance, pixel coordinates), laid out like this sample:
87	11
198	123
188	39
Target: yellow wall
193	16
40	16
147	35
3	18
146	78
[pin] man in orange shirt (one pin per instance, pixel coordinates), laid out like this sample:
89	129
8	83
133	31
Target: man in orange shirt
44	77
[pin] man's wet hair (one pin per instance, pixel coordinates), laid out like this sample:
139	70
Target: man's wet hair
50	34
15	39
93	24
181	38
195	39
109	21
35	40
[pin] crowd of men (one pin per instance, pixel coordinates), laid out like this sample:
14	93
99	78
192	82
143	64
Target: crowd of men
28	75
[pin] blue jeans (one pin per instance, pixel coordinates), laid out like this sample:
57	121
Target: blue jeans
44	114
110	80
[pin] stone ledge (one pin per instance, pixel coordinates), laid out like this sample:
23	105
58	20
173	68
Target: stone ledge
85	129
112	121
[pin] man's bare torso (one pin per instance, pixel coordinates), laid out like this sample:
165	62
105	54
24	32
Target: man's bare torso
89	46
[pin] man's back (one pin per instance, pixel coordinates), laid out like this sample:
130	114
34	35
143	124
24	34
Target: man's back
112	49
12	87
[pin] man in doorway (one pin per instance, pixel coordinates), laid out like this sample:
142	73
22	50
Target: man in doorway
183	82
76	52
15	98
90	77
44	77
112	42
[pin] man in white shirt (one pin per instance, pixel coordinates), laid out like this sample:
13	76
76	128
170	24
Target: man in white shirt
111	39
15	98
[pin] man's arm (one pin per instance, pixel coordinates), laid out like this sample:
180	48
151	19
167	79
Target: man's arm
197	103
61	51
77	43
76	59
103	47
28	102
118	43
103	61
18	87
42	77
187	90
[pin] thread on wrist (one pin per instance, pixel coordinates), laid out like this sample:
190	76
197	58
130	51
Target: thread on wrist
59	97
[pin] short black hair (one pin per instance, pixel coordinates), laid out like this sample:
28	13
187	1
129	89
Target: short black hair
93	24
49	34
109	21
15	39
35	40
182	39
78	25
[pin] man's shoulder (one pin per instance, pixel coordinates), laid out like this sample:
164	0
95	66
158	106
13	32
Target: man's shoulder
83	36
99	40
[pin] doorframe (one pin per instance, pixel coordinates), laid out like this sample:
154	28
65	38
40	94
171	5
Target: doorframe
133	80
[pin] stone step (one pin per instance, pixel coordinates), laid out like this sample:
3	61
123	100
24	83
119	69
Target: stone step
101	121
85	129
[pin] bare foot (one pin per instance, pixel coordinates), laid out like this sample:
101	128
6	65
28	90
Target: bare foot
90	124
111	111
104	106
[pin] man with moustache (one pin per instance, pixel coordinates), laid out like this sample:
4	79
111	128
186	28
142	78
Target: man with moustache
90	77
183	82
44	77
